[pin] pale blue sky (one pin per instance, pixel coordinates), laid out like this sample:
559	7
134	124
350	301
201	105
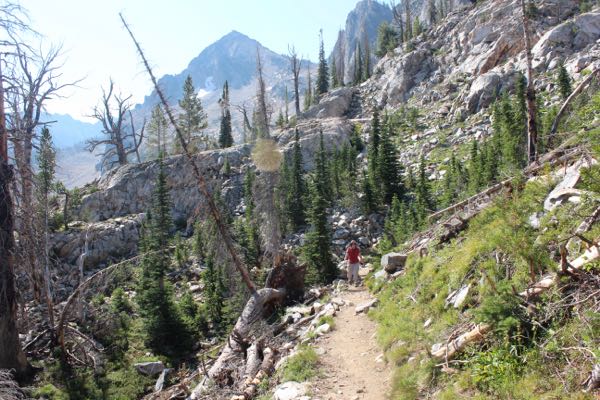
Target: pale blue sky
172	33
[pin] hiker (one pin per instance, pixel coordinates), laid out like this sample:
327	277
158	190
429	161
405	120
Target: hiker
353	260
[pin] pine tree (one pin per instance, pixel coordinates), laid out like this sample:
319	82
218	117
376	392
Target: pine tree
317	250
390	169
475	172
369	203
250	240
373	150
45	184
322	72
308	94
225	134
417	28
323	178
424	199
192	119
334	75
387	39
157	131
563	80
297	188
358	65
280	121
214	289
157	307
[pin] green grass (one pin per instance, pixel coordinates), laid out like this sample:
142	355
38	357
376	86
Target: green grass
509	364
301	367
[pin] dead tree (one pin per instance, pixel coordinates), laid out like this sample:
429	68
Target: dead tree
530	93
31	81
247	128
120	140
295	65
397	13
12	356
262	113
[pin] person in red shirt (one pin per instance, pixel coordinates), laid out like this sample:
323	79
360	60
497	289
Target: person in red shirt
353	261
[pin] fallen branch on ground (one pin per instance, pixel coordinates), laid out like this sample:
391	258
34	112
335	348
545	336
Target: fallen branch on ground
447	351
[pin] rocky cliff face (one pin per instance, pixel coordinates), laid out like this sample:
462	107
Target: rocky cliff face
362	23
474	54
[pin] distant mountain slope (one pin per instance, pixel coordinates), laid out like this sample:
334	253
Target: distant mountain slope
68	131
231	58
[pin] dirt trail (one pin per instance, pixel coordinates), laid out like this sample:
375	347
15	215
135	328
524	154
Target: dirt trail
353	363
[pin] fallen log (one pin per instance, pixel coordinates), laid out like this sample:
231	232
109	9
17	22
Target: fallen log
448	350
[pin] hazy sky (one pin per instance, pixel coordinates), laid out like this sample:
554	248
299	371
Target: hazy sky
173	32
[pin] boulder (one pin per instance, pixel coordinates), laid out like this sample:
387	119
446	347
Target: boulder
291	391
151	368
391	262
333	105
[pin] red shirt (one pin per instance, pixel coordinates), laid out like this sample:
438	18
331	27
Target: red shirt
352	254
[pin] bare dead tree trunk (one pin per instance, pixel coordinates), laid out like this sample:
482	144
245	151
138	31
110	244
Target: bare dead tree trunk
530	94
296	65
202	186
11	353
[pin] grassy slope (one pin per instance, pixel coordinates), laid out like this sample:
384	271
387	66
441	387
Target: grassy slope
542	350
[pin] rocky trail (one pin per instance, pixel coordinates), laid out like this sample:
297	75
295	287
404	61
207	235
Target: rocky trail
352	362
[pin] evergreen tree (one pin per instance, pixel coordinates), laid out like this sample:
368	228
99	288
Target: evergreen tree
424	199
295	205
358	65
390	169
45	185
322	72
214	290
280	121
308	94
162	319
369	203
417	28
387	39
563	80
334	75
250	239
323	179
192	119
373	150
475	172
225	134
157	131
317	250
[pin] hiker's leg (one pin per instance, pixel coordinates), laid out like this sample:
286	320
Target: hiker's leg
349	271
355	272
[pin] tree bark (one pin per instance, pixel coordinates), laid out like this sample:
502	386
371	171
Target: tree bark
530	94
11	353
